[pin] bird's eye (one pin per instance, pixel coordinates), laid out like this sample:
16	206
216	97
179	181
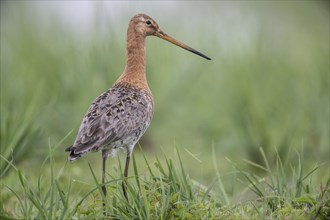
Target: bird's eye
148	22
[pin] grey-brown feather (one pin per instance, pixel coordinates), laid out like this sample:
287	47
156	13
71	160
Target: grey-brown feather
116	119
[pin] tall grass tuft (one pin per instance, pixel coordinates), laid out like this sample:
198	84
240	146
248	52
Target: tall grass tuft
164	193
285	193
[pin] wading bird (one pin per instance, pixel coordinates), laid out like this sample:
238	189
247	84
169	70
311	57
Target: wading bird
120	116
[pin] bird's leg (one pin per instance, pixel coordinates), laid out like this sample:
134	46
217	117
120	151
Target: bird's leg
128	158
104	189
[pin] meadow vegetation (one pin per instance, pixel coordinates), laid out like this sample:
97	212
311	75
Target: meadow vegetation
244	136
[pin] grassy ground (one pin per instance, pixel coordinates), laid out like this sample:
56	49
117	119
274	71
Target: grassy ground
243	136
164	190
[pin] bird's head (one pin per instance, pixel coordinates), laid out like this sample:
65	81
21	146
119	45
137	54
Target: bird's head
146	26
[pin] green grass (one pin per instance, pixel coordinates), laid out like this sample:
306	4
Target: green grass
163	191
251	126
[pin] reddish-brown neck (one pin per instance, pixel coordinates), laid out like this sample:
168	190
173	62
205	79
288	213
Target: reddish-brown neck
135	69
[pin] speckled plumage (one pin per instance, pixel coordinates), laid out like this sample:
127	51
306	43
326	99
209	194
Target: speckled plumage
116	119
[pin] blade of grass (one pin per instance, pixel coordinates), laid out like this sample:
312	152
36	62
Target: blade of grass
256	165
186	186
147	163
96	182
267	165
23	205
300	176
52	188
136	173
221	186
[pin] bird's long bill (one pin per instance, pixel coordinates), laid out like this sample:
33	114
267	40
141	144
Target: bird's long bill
178	43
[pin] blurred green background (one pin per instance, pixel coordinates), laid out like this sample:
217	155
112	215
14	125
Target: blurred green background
267	84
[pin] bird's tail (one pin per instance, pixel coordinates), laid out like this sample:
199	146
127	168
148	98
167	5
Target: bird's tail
69	148
73	156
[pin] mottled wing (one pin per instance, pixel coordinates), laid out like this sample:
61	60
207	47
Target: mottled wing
123	112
